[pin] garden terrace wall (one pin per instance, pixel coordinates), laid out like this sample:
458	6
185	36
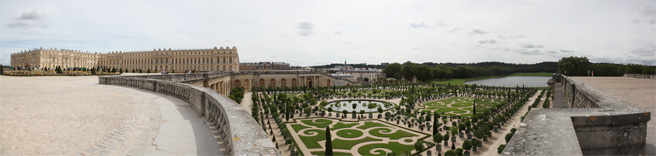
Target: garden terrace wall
594	124
237	131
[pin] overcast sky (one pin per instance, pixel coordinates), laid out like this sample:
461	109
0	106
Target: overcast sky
308	32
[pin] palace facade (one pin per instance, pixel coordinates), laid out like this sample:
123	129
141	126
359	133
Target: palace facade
214	59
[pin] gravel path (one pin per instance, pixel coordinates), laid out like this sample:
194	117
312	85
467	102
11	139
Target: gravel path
66	115
490	147
74	115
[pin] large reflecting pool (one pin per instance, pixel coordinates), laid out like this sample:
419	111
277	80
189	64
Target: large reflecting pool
366	105
512	81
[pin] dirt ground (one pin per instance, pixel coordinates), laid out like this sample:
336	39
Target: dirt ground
58	115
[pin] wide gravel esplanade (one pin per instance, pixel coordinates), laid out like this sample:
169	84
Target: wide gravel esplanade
70	115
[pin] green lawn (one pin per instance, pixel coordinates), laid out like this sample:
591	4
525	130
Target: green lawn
370	124
298	127
348	144
339	140
313	141
394	146
396	135
460	107
319	123
322	153
349	133
341	125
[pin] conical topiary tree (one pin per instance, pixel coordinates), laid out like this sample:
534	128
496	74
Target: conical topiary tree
329	142
435	114
474	109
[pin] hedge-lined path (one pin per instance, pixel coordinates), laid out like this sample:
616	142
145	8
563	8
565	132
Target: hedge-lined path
490	147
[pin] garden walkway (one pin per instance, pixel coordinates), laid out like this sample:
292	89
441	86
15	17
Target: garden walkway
499	137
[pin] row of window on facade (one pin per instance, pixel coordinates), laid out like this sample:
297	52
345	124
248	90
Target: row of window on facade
283	83
172	60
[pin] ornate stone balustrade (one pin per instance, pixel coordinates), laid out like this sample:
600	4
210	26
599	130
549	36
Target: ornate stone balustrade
236	130
594	124
578	96
643	76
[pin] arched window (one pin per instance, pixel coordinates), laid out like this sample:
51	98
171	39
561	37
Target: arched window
261	83
294	83
272	83
237	83
283	83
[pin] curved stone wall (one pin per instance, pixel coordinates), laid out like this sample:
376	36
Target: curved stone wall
235	129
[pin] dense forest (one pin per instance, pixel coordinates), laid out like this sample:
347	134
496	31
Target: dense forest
581	66
573	66
429	71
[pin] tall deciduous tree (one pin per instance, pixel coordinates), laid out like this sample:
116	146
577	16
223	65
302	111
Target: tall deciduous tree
392	70
409	70
574	66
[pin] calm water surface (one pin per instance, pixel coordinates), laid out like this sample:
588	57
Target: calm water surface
512	81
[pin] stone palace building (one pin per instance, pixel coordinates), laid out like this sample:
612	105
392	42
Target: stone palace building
214	59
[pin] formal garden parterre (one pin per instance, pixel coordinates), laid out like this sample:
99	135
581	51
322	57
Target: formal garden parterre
367	137
420	118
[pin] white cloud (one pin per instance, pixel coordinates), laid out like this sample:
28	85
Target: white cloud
419	25
29	18
511	36
487	41
648	51
441	23
477	31
527	51
566	51
305	28
381	29
646	14
530	45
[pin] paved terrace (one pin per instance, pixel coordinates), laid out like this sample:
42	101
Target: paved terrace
605	116
65	115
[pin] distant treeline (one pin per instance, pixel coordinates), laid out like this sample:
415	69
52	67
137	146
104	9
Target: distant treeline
573	66
429	71
581	66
